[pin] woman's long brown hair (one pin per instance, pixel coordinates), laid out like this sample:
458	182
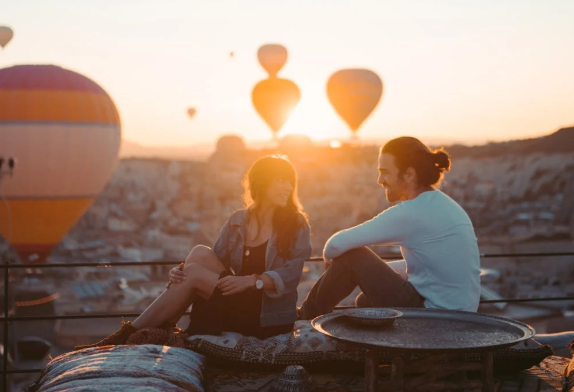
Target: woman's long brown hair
286	220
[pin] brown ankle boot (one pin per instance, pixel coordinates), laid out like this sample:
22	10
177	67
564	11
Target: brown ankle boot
118	337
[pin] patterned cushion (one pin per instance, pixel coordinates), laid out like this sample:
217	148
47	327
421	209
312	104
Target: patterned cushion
306	346
123	368
303	345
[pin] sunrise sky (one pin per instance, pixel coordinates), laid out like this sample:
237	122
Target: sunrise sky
458	70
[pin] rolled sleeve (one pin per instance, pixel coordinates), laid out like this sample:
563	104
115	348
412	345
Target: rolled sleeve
287	277
279	285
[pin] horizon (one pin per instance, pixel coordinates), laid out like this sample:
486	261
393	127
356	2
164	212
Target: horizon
472	74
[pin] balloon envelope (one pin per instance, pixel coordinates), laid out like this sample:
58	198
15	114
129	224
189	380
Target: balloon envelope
191	112
64	131
272	58
274	99
354	93
6	35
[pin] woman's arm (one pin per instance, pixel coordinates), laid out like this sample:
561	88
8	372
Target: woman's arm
236	284
286	278
221	246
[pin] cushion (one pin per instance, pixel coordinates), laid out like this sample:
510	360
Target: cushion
123	368
307	346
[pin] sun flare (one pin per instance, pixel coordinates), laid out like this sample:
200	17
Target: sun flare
314	119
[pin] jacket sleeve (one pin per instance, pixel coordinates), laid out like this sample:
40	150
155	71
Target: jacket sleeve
288	276
221	246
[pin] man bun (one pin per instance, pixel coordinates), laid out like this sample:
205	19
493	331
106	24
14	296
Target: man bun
442	160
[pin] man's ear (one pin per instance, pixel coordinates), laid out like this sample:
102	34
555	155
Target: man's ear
410	175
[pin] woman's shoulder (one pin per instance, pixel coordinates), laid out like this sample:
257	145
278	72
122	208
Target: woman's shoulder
239	217
303	221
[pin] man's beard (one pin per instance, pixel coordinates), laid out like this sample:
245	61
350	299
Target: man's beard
390	195
394	194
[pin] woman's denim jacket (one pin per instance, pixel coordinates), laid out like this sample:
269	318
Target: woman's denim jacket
279	305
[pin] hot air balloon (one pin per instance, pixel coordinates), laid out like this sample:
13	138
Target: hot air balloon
6	35
64	130
191	112
274	99
272	58
354	93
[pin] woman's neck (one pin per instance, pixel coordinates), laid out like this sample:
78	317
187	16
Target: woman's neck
264	212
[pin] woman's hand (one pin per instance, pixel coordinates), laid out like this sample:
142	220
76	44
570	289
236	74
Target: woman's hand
235	284
176	275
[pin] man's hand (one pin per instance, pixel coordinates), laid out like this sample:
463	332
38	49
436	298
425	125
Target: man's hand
235	284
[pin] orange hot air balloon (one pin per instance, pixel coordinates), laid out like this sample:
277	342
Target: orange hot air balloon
274	99
191	112
354	93
64	130
272	58
6	35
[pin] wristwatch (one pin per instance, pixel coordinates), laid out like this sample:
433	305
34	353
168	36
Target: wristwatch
258	282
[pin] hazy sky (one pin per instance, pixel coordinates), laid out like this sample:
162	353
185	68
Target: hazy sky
459	70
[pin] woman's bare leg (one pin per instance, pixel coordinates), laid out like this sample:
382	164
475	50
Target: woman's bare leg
205	256
200	280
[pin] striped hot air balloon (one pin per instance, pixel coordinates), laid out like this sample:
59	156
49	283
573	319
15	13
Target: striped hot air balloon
64	130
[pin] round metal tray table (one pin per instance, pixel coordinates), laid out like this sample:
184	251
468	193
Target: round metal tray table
436	332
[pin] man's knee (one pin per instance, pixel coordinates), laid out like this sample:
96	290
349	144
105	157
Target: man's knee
197	254
362	301
350	255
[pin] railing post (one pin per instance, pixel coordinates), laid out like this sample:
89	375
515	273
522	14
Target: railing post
6	262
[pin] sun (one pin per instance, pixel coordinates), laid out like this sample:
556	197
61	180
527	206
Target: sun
315	119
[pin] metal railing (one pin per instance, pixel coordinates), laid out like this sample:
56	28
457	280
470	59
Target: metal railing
6	319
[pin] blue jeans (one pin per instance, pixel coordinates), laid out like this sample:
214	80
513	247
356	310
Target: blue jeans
381	286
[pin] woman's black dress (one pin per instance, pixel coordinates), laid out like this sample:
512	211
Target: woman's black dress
235	313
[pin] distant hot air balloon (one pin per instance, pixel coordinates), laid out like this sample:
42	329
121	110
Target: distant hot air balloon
272	58
354	93
6	35
191	112
64	130
274	99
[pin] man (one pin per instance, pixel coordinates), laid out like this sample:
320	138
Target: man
436	237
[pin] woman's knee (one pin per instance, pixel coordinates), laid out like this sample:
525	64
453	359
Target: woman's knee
199	278
193	273
198	254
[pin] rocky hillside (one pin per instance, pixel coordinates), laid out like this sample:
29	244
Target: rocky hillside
513	189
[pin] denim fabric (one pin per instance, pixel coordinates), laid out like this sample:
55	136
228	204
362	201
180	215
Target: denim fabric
279	305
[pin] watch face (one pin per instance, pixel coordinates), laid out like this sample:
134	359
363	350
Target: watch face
259	284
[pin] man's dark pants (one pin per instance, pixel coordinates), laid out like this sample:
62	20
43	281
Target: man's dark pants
380	284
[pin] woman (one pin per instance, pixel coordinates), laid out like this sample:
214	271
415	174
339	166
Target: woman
248	282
